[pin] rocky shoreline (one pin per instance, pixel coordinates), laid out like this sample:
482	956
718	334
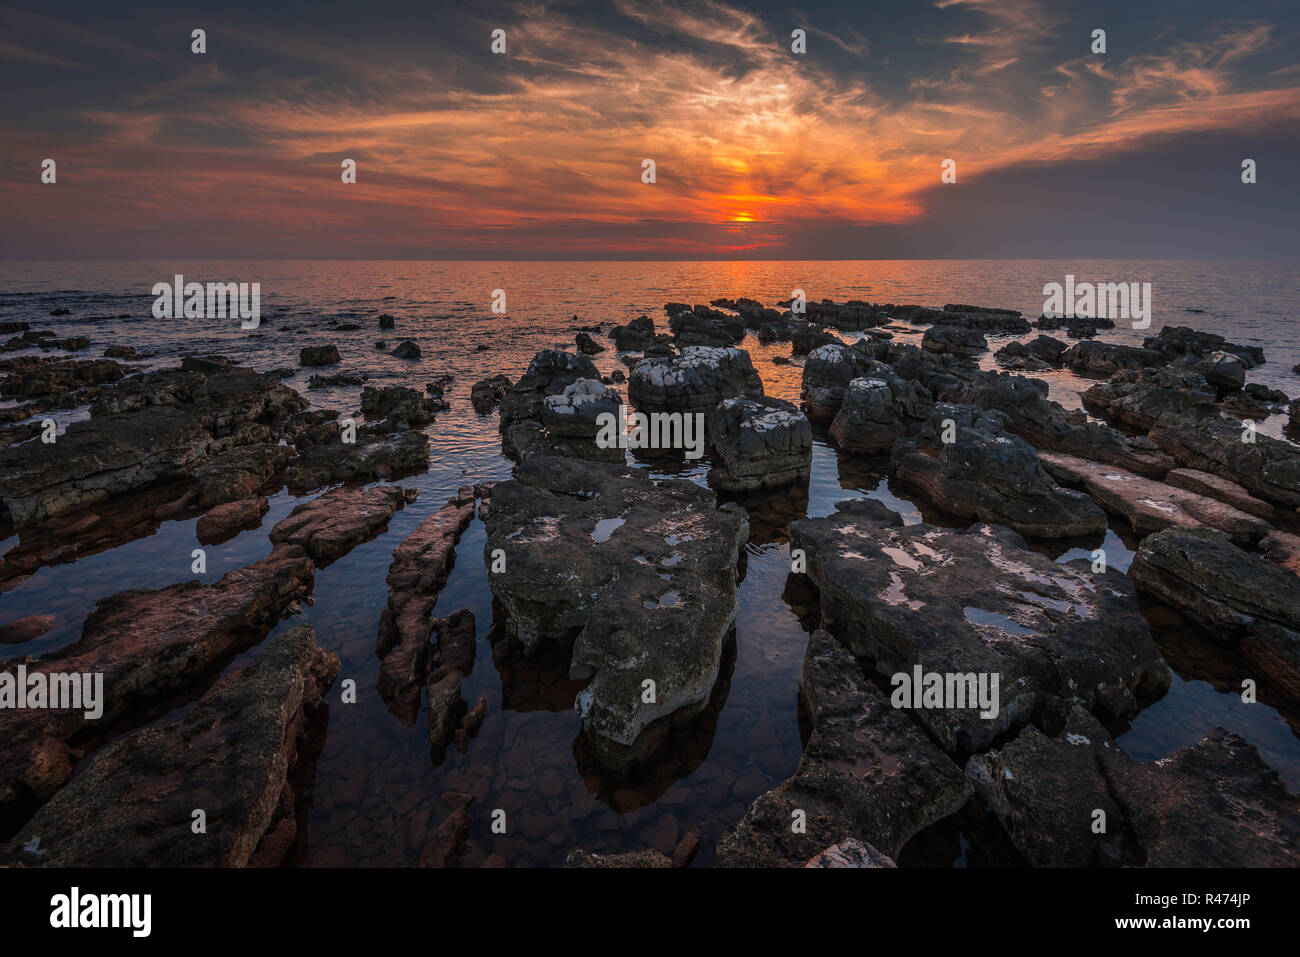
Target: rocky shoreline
630	580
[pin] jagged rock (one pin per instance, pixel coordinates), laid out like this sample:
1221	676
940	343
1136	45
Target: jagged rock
400	407
979	602
642	572
1224	371
1046	425
1176	341
319	355
447	670
576	411
806	338
1230	593
635	336
366	459
988	474
387	322
36	376
227	520
150	645
232	755
763	443
485	394
827	373
953	339
1266	467
868	773
421	564
1215	804
878	410
151	428
331	525
1103	359
549	373
1043	349
697	380
1149	505
587	345
707	328
240	472
1140	397
406	350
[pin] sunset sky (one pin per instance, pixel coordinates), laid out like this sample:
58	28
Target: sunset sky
760	153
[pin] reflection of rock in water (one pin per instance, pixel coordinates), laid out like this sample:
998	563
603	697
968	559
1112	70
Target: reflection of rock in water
668	750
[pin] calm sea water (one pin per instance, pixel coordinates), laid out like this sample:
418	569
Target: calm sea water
376	787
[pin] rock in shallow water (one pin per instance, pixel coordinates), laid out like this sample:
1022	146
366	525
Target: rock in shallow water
763	443
330	525
639	574
696	381
232	755
868	773
150	646
980	602
989	474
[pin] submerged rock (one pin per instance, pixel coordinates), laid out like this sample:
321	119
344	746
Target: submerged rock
763	443
639	575
979	602
991	475
578	858
233	756
868	773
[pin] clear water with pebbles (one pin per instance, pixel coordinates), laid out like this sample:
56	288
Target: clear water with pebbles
376	783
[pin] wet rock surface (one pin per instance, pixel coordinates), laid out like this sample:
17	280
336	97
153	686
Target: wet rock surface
868	773
1268	468
1214	804
980	602
1148	505
150	645
639	575
328	527
878	410
231	756
990	474
695	381
763	443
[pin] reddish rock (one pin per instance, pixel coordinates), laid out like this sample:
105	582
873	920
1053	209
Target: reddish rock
25	629
226	521
447	844
687	848
151	647
331	525
231	756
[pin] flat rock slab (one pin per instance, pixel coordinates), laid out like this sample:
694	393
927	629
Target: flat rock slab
226	521
150	646
1148	505
367	459
1214	486
1215	804
331	525
868	773
231	755
639	574
979	602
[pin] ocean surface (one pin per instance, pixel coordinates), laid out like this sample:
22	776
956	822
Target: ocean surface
375	798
